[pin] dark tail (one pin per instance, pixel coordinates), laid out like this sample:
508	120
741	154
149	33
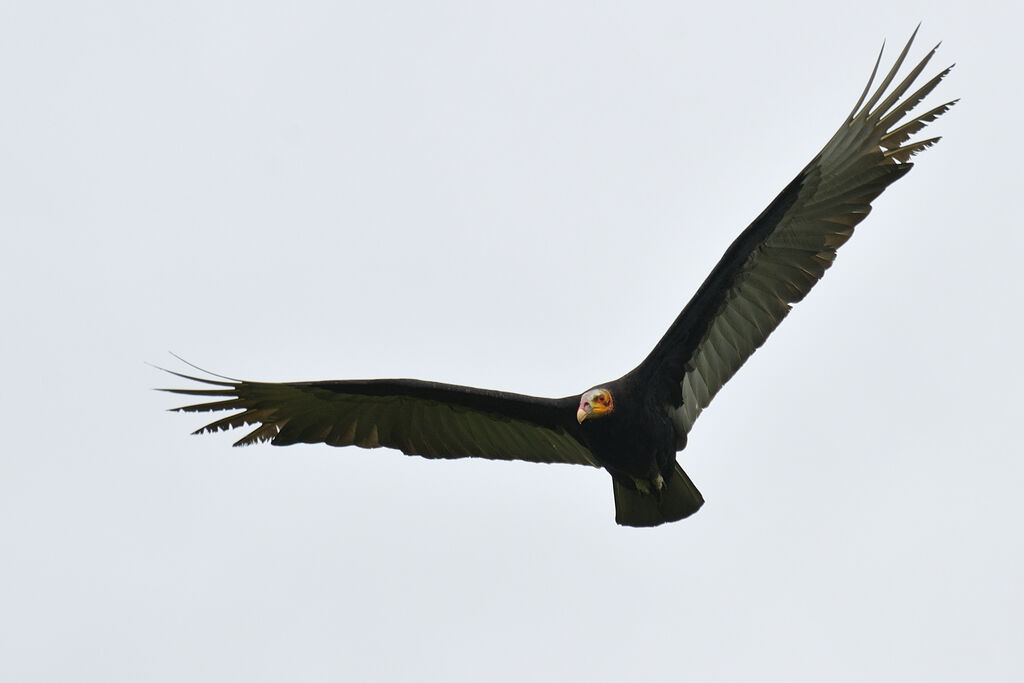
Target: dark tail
679	498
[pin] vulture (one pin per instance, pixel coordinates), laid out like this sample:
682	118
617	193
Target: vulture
632	426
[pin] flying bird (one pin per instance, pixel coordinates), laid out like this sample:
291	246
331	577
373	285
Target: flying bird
632	426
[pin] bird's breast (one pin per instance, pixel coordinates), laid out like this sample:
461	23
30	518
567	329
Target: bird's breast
636	448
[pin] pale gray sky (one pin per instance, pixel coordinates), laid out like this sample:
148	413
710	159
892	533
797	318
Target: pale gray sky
316	190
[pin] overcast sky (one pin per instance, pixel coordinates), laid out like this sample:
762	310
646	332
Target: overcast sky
321	190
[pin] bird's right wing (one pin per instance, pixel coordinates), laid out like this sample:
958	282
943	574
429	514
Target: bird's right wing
418	418
778	259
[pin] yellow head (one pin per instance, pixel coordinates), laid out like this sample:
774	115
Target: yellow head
595	403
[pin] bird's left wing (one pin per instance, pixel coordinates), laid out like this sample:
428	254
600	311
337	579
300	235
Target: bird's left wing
786	250
418	418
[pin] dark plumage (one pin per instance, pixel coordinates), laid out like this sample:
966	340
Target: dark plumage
632	426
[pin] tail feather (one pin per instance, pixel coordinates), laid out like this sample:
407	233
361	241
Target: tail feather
677	499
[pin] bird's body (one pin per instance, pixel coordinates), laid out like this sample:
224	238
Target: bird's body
635	441
632	426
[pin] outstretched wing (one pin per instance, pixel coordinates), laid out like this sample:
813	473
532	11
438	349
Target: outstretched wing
418	418
786	250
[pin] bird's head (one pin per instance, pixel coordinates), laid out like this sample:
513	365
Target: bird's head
594	403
